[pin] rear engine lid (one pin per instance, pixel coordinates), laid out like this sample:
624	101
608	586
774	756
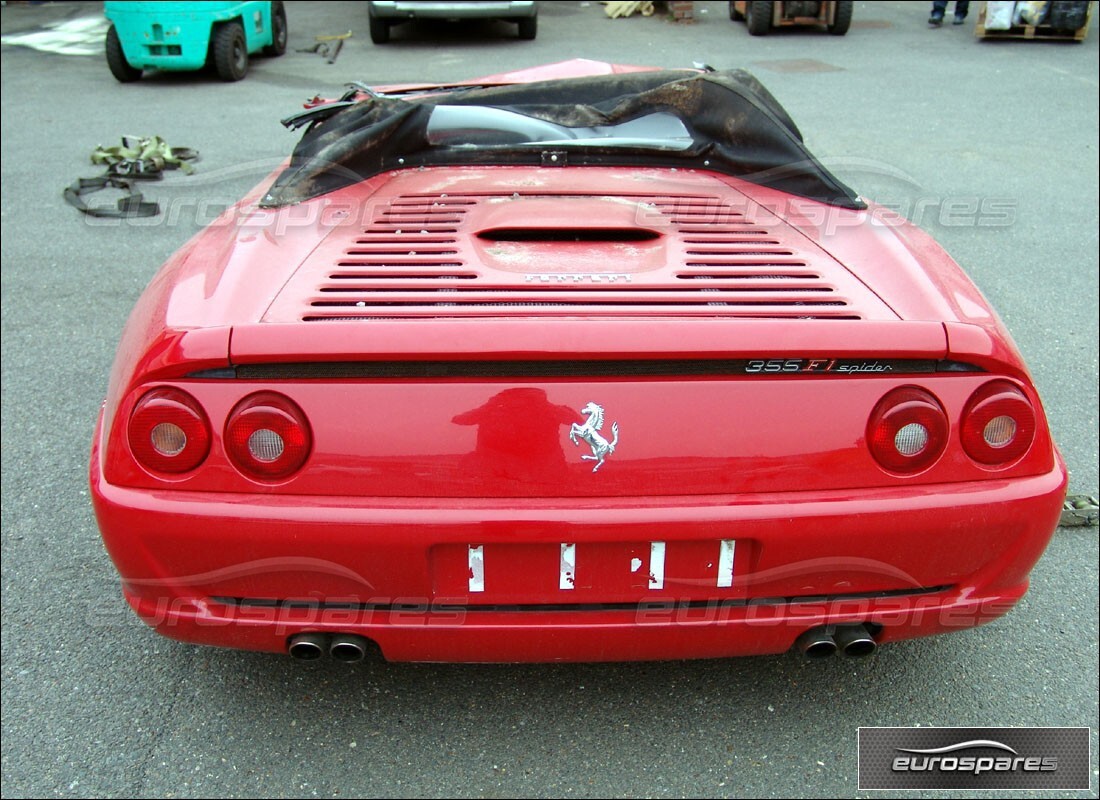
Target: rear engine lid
592	242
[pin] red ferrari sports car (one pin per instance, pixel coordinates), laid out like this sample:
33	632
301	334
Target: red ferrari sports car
582	363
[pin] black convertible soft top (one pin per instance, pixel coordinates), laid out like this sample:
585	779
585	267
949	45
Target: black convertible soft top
736	127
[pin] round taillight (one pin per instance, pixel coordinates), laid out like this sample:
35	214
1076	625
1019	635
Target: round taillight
998	424
267	437
907	431
168	431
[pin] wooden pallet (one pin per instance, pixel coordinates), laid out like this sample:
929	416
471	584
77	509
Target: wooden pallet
1033	31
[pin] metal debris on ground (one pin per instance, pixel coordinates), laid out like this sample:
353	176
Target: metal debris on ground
622	8
328	46
1079	511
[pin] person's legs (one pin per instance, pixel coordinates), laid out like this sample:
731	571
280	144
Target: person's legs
961	7
939	8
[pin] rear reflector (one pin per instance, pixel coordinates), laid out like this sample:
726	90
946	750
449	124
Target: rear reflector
169	432
267	437
998	424
912	439
907	431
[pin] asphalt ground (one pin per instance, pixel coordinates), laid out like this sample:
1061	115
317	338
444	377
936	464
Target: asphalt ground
991	146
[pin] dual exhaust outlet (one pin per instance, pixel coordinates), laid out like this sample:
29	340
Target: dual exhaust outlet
854	641
346	647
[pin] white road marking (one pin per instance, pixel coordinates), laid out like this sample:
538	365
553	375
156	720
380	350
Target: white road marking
74	37
476	559
656	565
635	564
725	563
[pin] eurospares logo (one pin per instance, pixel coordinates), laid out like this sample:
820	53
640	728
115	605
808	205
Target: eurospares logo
953	758
974	758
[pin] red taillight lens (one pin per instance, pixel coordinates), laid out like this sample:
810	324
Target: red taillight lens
267	437
998	424
907	431
169	432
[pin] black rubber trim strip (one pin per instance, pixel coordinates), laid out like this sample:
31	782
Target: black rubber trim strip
569	368
650	605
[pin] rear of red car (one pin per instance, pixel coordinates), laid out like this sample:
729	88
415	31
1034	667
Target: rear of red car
518	414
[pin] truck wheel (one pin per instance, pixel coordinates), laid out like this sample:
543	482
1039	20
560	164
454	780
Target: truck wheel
116	59
842	18
379	30
758	17
528	27
278	30
230	52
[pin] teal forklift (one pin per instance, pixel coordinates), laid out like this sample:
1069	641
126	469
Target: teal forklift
190	36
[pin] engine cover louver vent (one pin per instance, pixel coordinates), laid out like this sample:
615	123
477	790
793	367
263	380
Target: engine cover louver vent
550	253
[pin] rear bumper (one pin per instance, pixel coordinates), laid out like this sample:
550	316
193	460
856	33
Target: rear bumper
250	572
178	53
454	634
486	9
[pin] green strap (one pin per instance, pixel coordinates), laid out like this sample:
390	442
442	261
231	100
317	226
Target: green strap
138	156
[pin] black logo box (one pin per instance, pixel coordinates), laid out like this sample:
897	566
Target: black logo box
974	758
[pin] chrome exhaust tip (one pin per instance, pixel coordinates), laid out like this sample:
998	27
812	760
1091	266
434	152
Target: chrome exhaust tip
855	641
307	646
348	648
816	643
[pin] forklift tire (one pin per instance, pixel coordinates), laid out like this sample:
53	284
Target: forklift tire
278	31
116	59
842	18
230	52
758	17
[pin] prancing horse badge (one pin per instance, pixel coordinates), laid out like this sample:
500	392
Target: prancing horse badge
590	432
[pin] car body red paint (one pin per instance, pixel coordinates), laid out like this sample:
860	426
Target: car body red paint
737	346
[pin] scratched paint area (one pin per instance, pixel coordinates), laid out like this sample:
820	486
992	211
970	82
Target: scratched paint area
594	571
568	570
657	565
477	568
